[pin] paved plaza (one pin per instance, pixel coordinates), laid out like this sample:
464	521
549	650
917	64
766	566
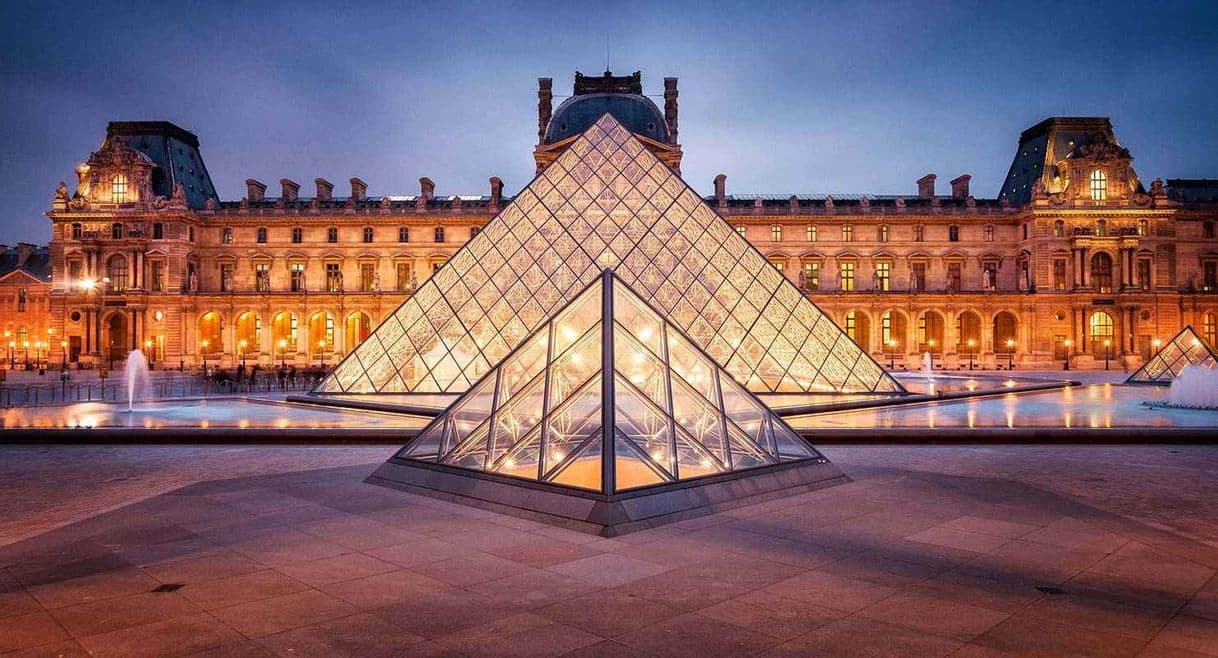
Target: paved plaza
249	551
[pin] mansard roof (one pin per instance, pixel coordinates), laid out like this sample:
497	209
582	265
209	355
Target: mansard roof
175	152
36	263
1192	189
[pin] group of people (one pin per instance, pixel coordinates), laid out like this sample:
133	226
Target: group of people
284	377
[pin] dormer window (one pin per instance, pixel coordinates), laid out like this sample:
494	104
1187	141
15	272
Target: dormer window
118	188
776	233
1099	186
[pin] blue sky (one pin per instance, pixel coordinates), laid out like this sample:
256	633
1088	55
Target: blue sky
782	97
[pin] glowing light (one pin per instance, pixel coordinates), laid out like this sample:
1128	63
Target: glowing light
645	333
87	284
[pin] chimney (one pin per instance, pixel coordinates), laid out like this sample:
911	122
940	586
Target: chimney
358	189
254	190
496	192
721	190
545	106
960	186
24	249
325	189
670	108
926	186
291	189
427	190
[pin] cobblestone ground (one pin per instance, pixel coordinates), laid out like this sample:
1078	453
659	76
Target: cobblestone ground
45	487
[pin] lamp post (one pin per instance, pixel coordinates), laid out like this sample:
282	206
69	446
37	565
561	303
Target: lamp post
1067	343
50	333
26	358
283	352
931	352
971	351
8	338
321	352
892	354
1010	354
1107	352
241	345
63	353
148	353
203	353
38	354
12	349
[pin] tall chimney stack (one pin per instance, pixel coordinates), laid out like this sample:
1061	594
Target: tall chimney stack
254	190
496	192
670	108
721	190
358	189
291	189
926	186
325	189
427	191
545	106
960	186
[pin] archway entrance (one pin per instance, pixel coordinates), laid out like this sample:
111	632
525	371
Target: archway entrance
1004	333
359	325
120	339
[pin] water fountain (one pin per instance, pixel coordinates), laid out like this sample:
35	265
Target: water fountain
928	367
1196	387
136	372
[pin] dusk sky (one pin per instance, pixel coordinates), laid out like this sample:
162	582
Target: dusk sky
826	97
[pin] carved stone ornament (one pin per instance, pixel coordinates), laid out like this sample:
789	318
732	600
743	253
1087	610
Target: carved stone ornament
1140	200
245	203
1038	189
61	192
385	202
1099	147
829	204
79	203
179	192
900	203
314	205
865	203
209	205
1156	188
1057	199
158	203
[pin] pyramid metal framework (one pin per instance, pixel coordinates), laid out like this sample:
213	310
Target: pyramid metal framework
607	396
607	203
1185	348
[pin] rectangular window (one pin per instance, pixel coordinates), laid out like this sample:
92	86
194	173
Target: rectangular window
846	276
953	234
21	300
226	277
953	277
1059	274
158	275
158	231
368	234
367	277
298	277
882	233
332	235
779	264
776	233
810	230
473	231
261	235
1210	278
811	275
847	233
1144	273
334	277
919	233
74	272
1143	227
989	234
403	234
439	234
883	276
262	277
297	235
404	271
740	230
190	234
76	230
917	278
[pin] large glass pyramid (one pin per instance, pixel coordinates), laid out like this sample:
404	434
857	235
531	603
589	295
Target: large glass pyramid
1185	348
607	396
607	203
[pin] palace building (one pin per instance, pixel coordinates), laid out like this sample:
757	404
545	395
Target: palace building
1074	257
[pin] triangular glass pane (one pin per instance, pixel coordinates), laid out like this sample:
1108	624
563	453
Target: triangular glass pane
571	423
1184	349
472	452
522	459
582	469
643	424
631	469
640	367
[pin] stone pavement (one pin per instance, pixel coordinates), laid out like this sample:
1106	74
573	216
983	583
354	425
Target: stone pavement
901	561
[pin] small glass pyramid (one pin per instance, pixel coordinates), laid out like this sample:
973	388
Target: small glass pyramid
1185	348
607	202
607	396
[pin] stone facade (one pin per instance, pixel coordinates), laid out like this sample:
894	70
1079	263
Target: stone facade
1075	257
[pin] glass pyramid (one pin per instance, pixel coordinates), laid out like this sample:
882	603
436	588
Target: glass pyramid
1186	348
607	203
607	396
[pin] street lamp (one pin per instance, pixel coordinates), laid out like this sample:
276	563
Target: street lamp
1107	352
203	353
12	348
38	353
1067	343
63	352
1010	354
931	352
971	351
892	354
241	344
283	352
321	351
50	332
26	346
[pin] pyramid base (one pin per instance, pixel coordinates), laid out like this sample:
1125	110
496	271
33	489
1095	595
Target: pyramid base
603	515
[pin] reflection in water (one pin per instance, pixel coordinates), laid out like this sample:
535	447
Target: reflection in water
206	414
1100	406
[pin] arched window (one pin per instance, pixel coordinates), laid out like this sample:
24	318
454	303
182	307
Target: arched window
1099	185
116	271
118	188
776	233
368	233
249	332
1101	326
858	328
211	340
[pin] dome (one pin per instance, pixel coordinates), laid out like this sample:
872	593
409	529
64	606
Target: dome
636	112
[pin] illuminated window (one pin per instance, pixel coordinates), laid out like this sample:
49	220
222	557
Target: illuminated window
810	231
332	235
1059	229
1099	185
740	230
846	276
1059	274
403	276
226	277
989	233
882	233
779	263
811	275
1101	329
262	277
334	277
261	235
847	233
367	277
298	276
116	271
297	235
439	234
852	326
776	233
1101	228
118	188
226	236
883	276
917	277
1144	227
368	234
1209	328
403	234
